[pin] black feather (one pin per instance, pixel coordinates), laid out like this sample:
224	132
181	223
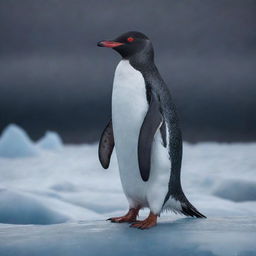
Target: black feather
189	210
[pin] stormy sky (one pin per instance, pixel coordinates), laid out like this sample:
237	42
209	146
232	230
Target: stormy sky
54	77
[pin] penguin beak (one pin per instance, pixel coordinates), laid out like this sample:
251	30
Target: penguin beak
109	44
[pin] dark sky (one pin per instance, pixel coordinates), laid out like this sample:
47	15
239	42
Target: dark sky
54	77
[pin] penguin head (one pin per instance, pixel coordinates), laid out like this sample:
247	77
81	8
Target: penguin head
129	44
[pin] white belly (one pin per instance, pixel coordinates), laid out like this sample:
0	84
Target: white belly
129	107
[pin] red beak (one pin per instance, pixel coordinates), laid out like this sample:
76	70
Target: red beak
109	44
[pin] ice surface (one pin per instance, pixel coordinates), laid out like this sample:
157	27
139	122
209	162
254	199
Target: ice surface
50	141
177	237
14	142
70	187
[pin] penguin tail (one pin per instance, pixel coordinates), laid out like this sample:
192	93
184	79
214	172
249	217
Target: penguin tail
189	210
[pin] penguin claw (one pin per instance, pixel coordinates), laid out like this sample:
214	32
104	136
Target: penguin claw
129	217
149	222
143	225
135	225
120	219
111	220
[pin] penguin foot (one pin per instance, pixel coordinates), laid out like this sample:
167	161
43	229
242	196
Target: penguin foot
130	216
149	222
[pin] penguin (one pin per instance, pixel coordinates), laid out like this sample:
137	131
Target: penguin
145	131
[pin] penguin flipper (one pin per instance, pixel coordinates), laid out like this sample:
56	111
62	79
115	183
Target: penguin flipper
151	123
106	145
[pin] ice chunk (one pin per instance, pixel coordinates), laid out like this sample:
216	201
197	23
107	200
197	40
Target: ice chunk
15	142
50	141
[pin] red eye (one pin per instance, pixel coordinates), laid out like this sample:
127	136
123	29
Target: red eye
130	39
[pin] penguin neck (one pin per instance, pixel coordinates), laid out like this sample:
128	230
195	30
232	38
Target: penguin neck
143	61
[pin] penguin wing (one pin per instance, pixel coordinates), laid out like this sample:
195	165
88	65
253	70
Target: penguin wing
106	145
151	123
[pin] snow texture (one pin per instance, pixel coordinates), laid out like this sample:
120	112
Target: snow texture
50	141
19	208
70	190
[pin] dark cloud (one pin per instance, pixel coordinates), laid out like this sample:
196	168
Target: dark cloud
52	75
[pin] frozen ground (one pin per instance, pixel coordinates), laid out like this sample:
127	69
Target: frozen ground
216	236
67	187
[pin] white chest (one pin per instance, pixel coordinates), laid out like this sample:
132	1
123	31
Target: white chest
129	103
129	87
129	107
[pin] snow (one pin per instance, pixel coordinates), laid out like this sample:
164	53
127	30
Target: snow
50	141
237	191
19	208
68	189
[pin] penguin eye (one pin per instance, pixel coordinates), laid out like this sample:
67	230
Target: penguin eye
130	39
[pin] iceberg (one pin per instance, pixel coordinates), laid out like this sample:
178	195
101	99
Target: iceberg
14	142
50	141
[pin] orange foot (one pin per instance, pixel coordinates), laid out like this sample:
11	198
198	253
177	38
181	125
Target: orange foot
130	216
149	222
